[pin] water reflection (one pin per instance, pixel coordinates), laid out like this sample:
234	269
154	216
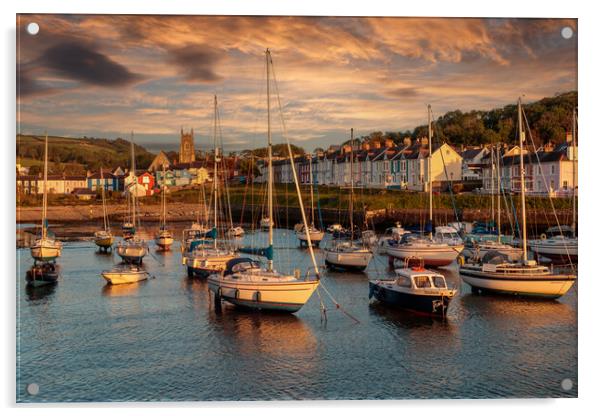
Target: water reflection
127	289
35	294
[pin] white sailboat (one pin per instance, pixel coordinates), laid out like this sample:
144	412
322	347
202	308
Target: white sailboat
244	282
433	252
496	273
164	238
315	235
132	249
203	260
562	246
348	254
45	248
104	238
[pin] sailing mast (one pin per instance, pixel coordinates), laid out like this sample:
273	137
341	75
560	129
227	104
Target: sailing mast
351	193
521	137
215	156
270	172
499	193
311	190
104	206
492	184
430	171
574	144
45	197
163	200
134	181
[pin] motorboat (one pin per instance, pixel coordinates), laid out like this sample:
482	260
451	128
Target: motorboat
124	275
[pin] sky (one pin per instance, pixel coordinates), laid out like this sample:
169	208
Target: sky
107	75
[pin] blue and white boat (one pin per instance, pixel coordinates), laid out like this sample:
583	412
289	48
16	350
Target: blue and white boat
414	288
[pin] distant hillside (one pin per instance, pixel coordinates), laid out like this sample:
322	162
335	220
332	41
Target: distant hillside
73	155
549	120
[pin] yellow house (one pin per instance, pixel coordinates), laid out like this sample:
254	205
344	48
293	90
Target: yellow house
446	166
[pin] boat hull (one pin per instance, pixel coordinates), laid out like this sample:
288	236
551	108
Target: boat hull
357	261
164	243
104	242
546	286
204	266
425	304
43	252
432	256
555	251
273	296
132	253
315	237
121	278
41	276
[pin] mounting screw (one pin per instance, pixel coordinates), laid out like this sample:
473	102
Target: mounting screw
33	389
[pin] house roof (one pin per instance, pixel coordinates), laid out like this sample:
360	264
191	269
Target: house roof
96	175
471	153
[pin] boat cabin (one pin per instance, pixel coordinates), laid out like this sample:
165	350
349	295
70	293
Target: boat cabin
420	278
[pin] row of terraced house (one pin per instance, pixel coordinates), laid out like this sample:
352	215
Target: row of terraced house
385	165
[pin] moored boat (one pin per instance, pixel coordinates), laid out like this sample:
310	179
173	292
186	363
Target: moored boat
104	238
347	255
124	275
41	274
316	236
164	238
414	288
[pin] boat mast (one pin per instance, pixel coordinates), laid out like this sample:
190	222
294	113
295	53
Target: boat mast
499	193
44	196
134	181
102	192
574	144
311	190
492	184
430	171
270	172
351	193
215	174
521	137
163	199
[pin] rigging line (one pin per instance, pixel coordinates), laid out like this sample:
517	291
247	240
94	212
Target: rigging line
338	305
546	185
449	182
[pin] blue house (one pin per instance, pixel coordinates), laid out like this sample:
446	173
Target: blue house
108	180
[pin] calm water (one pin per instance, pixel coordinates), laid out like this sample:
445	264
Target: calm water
162	340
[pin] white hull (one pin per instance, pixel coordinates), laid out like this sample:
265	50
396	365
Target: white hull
124	277
103	241
164	241
432	255
46	250
315	236
353	259
541	285
555	248
208	261
132	253
289	296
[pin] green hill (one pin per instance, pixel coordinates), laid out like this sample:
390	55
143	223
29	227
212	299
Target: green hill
73	155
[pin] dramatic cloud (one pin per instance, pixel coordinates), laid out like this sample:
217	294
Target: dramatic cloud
197	62
333	72
81	62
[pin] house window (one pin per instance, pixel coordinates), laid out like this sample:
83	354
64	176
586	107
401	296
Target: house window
565	185
553	169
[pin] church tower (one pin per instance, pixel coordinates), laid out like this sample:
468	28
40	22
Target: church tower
186	146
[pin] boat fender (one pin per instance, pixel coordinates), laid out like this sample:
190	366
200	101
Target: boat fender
461	260
543	236
258	296
237	294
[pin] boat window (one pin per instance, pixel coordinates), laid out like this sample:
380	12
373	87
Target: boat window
422	282
404	281
439	282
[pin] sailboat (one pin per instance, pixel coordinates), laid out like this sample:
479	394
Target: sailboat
202	259
477	248
164	238
132	249
45	248
347	254
563	246
315	235
198	233
496	273
433	252
245	282
103	238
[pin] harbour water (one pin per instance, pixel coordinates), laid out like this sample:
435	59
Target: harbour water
161	340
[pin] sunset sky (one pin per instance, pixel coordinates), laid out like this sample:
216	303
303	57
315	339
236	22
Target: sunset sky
103	76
